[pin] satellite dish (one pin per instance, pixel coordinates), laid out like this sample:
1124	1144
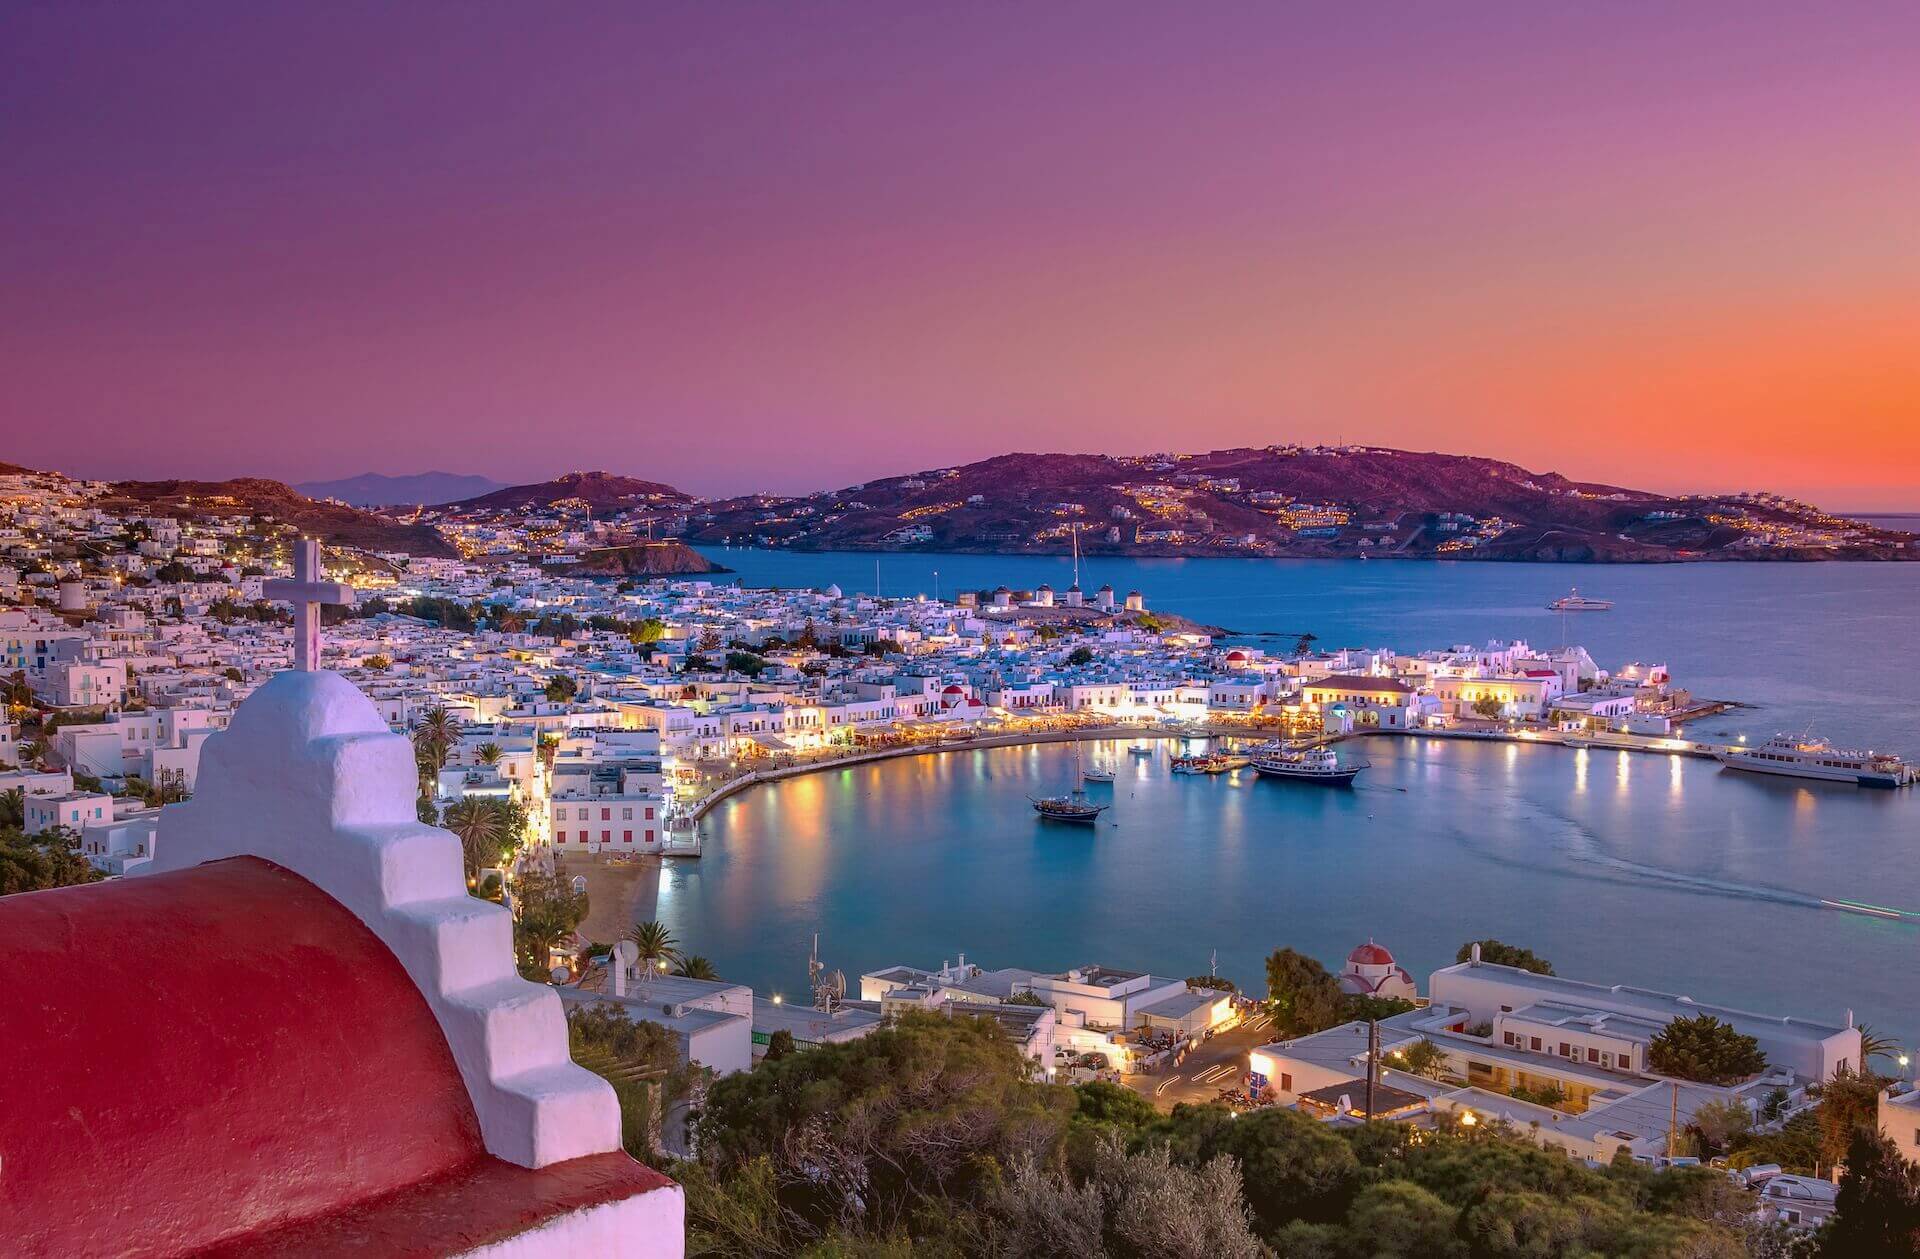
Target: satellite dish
626	953
837	983
560	974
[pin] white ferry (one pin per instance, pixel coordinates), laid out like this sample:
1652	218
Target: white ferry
1816	758
1313	764
1574	601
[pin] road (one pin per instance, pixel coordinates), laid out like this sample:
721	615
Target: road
1218	1063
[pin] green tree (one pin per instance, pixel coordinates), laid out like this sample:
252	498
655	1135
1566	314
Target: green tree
1079	656
1873	1045
1488	707
745	662
1499	954
1849	1104
1302	995
1293	1167
646	631
1706	1050
546	910
13	809
780	1045
434	736
1400	1220
36	863
1718	1126
378	663
1422	1057
1877	1215
482	831
871	1133
488	754
561	689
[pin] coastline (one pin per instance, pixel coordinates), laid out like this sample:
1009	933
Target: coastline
1649	744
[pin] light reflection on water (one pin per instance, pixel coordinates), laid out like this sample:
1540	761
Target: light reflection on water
1707	883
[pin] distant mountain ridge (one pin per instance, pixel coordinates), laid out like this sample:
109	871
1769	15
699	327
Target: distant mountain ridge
601	492
1288	501
416	489
257	496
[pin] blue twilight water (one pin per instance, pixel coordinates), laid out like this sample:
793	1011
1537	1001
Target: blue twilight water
1633	869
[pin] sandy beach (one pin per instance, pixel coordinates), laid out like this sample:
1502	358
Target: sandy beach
619	892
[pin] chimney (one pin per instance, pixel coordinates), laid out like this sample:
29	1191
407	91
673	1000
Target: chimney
1476	954
963	965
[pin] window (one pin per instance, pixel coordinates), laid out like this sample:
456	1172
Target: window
649	835
1535	1044
1286	1082
606	837
626	837
649	813
626	815
1593	1055
559	837
606	815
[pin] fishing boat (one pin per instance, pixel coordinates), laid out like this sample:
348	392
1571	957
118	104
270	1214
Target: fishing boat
1574	601
1193	765
1312	764
1808	757
1072	807
1141	749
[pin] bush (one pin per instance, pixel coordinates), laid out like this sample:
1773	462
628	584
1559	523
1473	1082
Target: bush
1505	955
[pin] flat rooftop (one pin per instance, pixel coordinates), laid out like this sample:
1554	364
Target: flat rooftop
1661	1006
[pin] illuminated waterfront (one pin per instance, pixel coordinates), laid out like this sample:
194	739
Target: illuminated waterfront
1629	868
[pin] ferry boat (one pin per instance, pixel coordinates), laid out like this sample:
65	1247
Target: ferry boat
1816	758
1312	764
1574	601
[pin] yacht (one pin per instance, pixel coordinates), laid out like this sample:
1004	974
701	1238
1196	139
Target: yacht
1142	749
1193	765
1809	757
1574	601
1072	807
1310	764
1096	774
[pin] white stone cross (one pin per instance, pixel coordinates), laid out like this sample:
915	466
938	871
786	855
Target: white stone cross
306	592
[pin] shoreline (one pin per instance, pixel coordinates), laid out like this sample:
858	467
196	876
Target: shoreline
1649	744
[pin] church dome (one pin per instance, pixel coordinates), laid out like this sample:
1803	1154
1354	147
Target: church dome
1370	954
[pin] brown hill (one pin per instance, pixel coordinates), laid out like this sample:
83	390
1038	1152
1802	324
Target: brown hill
603	493
1290	501
257	496
644	559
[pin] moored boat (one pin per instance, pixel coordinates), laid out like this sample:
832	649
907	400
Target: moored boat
1817	759
1312	764
1574	601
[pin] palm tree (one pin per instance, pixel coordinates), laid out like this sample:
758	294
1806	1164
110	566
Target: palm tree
1873	1045
13	807
435	736
654	944
489	753
696	967
481	831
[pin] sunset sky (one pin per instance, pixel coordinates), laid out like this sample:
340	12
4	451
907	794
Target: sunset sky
799	245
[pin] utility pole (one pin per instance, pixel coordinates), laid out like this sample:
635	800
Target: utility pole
1373	1062
1673	1119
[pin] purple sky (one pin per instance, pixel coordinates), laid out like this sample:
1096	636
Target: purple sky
740	246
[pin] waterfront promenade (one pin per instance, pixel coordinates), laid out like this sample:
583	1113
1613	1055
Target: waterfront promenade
796	764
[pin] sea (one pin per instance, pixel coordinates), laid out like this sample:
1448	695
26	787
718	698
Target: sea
1622	868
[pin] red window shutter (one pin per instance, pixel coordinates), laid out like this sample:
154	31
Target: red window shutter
649	813
626	837
606	815
559	837
649	835
606	837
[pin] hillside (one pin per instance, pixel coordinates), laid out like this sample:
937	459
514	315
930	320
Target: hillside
374	489
254	496
601	493
1287	501
644	559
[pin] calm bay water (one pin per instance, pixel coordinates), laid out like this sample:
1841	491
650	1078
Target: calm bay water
1630	869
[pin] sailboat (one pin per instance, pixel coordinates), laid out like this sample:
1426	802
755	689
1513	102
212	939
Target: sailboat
1072	807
